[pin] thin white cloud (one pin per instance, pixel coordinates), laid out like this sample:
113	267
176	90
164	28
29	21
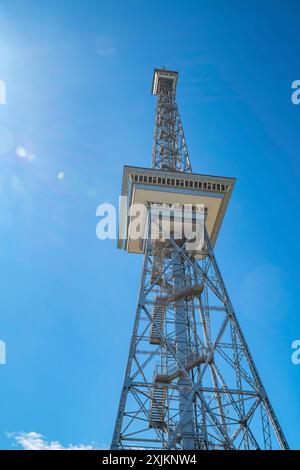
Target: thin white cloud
36	441
103	51
105	46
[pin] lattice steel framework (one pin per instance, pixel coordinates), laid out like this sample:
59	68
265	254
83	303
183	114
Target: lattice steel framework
169	147
190	381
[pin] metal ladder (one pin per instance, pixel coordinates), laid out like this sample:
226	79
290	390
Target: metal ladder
157	409
157	323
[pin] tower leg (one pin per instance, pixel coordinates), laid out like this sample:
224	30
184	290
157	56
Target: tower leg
182	347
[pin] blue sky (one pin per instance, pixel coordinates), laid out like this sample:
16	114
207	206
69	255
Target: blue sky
78	77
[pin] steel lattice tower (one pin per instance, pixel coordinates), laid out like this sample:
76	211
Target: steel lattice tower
190	380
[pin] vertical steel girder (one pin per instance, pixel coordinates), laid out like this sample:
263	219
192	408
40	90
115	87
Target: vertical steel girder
190	380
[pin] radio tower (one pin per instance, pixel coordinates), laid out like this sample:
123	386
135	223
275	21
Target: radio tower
190	380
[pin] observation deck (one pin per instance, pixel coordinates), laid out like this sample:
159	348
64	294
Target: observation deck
149	187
